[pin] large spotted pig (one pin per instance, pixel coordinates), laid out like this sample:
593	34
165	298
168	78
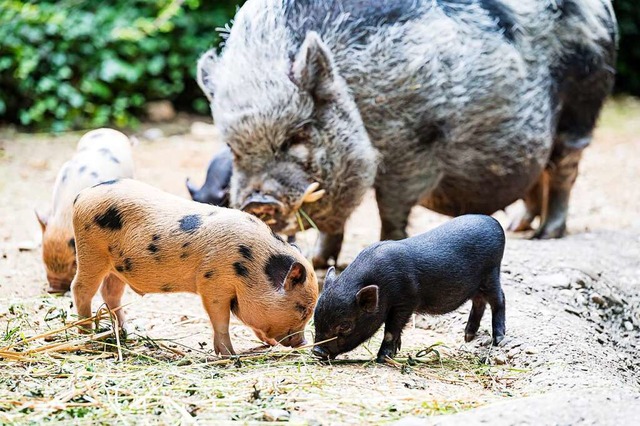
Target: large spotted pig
102	154
157	242
456	105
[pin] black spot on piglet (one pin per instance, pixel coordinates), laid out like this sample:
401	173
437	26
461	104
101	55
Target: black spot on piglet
110	219
246	252
152	248
106	182
240	269
72	244
277	267
190	223
208	274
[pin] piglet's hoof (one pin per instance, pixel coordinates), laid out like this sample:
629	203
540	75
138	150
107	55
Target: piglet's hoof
469	337
385	354
497	340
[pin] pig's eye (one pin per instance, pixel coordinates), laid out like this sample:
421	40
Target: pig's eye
344	328
300	138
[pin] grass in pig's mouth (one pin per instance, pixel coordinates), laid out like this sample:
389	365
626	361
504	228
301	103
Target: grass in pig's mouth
49	371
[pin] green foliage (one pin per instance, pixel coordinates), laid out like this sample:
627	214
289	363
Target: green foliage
628	77
82	63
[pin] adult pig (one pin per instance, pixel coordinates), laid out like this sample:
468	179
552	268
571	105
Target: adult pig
432	273
454	105
160	243
101	155
215	190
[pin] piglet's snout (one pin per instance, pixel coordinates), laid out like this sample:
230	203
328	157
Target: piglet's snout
57	285
294	340
320	352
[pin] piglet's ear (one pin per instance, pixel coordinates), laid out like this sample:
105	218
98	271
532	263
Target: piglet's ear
206	68
42	219
313	69
330	277
297	275
367	298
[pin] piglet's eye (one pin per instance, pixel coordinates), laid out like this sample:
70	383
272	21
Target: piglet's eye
344	328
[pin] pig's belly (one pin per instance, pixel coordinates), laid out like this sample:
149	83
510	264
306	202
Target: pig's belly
482	188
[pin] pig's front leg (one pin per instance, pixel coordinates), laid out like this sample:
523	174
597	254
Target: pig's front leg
396	320
219	311
329	246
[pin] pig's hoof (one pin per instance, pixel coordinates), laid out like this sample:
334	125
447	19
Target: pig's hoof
548	233
469	337
384	355
497	340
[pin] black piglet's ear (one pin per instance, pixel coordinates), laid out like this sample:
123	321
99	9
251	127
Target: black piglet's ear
367	298
297	275
330	277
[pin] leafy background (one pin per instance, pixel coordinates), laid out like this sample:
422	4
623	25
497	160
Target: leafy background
82	63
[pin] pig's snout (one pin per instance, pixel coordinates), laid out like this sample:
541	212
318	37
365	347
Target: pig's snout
57	286
320	352
266	207
294	340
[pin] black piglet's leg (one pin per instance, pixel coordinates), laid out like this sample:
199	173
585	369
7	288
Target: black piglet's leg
495	298
477	311
396	320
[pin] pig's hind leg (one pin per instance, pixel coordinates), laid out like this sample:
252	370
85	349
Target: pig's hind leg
112	290
391	342
495	298
478	306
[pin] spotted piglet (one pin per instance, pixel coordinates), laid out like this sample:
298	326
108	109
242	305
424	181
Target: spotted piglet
102	154
160	243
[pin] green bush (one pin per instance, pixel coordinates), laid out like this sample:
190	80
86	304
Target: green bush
628	77
75	63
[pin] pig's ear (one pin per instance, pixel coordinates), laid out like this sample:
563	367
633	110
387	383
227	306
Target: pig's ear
297	275
313	68
330	277
206	68
42	219
367	298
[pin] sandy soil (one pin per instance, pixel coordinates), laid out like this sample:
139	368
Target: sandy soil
573	305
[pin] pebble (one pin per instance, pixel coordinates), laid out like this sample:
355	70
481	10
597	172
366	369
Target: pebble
276	415
153	134
513	353
597	299
531	351
628	326
160	111
27	245
558	280
203	130
500	359
580	299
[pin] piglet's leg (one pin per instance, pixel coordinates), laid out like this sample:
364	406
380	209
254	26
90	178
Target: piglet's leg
84	286
219	311
112	290
391	342
477	311
495	296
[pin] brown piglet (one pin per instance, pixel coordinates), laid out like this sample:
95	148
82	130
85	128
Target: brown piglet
160	243
101	155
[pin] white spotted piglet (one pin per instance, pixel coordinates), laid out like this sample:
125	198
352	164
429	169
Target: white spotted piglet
157	242
101	155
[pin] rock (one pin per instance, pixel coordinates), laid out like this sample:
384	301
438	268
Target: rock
558	280
153	134
531	351
160	111
580	299
203	130
597	299
276	415
566	293
628	325
27	245
513	353
500	359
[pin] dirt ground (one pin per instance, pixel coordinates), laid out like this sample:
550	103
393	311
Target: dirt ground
573	314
